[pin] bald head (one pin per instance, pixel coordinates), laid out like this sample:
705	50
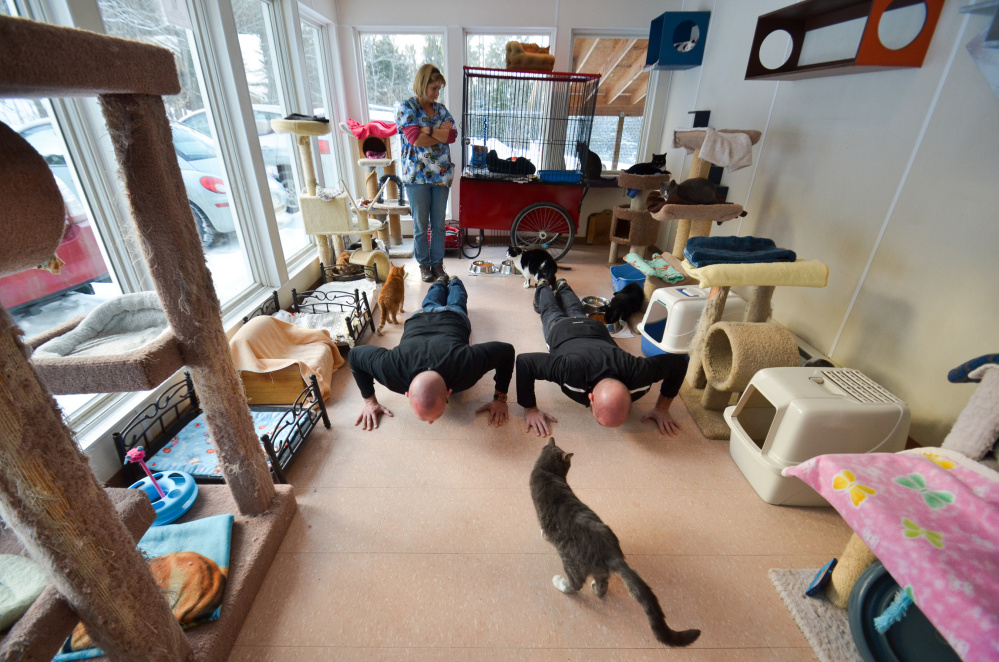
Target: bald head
611	403
428	396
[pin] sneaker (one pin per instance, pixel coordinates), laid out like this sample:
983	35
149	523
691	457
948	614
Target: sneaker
559	284
542	281
438	272
442	279
426	273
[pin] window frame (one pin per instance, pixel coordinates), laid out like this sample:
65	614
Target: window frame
491	31
648	112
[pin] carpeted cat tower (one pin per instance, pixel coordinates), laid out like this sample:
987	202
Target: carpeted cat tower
49	497
632	224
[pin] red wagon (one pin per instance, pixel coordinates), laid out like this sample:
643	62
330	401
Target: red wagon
521	168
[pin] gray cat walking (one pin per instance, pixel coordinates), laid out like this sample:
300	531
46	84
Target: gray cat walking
586	545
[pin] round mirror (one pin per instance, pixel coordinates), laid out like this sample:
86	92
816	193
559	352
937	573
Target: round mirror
900	25
685	36
775	49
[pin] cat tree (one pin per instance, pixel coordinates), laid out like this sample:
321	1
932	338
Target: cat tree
330	220
693	220
48	495
394	209
633	225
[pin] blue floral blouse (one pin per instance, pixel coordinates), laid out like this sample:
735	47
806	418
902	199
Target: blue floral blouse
424	165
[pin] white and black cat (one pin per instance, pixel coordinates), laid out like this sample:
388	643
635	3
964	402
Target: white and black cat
625	303
657	166
586	545
534	262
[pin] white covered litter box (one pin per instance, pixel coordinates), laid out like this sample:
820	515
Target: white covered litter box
789	415
671	318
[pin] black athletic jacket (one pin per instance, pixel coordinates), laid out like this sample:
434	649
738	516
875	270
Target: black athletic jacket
432	341
582	353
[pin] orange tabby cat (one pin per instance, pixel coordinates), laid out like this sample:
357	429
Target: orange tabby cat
191	583
343	258
391	295
534	48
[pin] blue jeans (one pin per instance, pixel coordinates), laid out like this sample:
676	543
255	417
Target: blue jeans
450	296
428	203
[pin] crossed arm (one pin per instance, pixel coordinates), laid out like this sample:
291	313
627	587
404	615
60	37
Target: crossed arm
424	136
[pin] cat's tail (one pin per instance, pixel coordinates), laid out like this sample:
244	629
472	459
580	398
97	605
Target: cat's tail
645	597
383	314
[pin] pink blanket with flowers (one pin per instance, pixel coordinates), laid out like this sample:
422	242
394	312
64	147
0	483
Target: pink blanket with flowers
932	517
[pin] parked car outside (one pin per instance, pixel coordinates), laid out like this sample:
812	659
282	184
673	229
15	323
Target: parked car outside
80	252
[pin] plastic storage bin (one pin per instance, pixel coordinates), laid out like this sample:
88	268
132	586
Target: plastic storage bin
560	176
622	274
789	415
672	315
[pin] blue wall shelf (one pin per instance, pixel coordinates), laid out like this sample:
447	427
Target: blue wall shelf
673	32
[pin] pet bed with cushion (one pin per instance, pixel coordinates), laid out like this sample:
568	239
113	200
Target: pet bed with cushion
275	359
174	434
119	326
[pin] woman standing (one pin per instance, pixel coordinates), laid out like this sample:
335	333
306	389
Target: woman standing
426	129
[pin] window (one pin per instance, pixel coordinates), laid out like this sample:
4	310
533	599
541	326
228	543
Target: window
617	124
489	50
390	65
319	94
261	47
202	169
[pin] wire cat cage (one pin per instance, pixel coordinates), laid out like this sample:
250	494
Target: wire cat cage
521	169
519	123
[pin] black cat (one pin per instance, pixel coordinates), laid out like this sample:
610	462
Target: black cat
625	303
536	262
594	166
657	166
586	545
518	166
697	190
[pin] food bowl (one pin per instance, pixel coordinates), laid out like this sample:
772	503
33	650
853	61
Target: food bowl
595	305
482	267
507	268
615	327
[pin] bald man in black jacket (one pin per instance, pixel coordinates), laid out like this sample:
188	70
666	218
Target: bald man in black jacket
591	369
433	359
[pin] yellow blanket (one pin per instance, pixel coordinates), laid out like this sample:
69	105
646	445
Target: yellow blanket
803	273
265	344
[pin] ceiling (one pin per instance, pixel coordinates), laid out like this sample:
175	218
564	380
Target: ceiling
619	62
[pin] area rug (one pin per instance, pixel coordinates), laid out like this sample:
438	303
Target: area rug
825	626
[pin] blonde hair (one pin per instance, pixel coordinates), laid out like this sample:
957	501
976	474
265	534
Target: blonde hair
426	75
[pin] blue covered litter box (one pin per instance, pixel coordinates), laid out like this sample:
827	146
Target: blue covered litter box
622	274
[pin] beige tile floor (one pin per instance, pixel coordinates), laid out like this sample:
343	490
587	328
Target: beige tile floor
419	542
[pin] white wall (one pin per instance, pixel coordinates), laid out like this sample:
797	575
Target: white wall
887	177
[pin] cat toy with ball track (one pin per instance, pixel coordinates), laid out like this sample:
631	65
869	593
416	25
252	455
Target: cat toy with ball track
169	504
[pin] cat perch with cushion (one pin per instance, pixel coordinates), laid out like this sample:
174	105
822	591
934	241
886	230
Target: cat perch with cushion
48	492
375	149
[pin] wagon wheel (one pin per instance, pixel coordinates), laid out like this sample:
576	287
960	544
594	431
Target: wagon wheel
471	242
545	225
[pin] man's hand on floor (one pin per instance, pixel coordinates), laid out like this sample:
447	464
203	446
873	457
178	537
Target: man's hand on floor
498	412
368	420
667	424
537	421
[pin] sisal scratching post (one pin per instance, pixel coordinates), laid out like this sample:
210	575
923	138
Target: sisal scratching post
713	311
686	228
65	520
140	133
856	558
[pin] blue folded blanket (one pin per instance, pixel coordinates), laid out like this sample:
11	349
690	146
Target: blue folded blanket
703	251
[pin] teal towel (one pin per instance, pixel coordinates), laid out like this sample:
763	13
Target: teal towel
190	562
657	267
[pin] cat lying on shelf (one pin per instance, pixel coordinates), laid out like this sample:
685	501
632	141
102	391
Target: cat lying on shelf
657	166
514	166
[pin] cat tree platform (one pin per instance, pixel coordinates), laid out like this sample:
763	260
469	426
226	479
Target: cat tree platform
763	278
39	633
692	139
141	370
632	225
